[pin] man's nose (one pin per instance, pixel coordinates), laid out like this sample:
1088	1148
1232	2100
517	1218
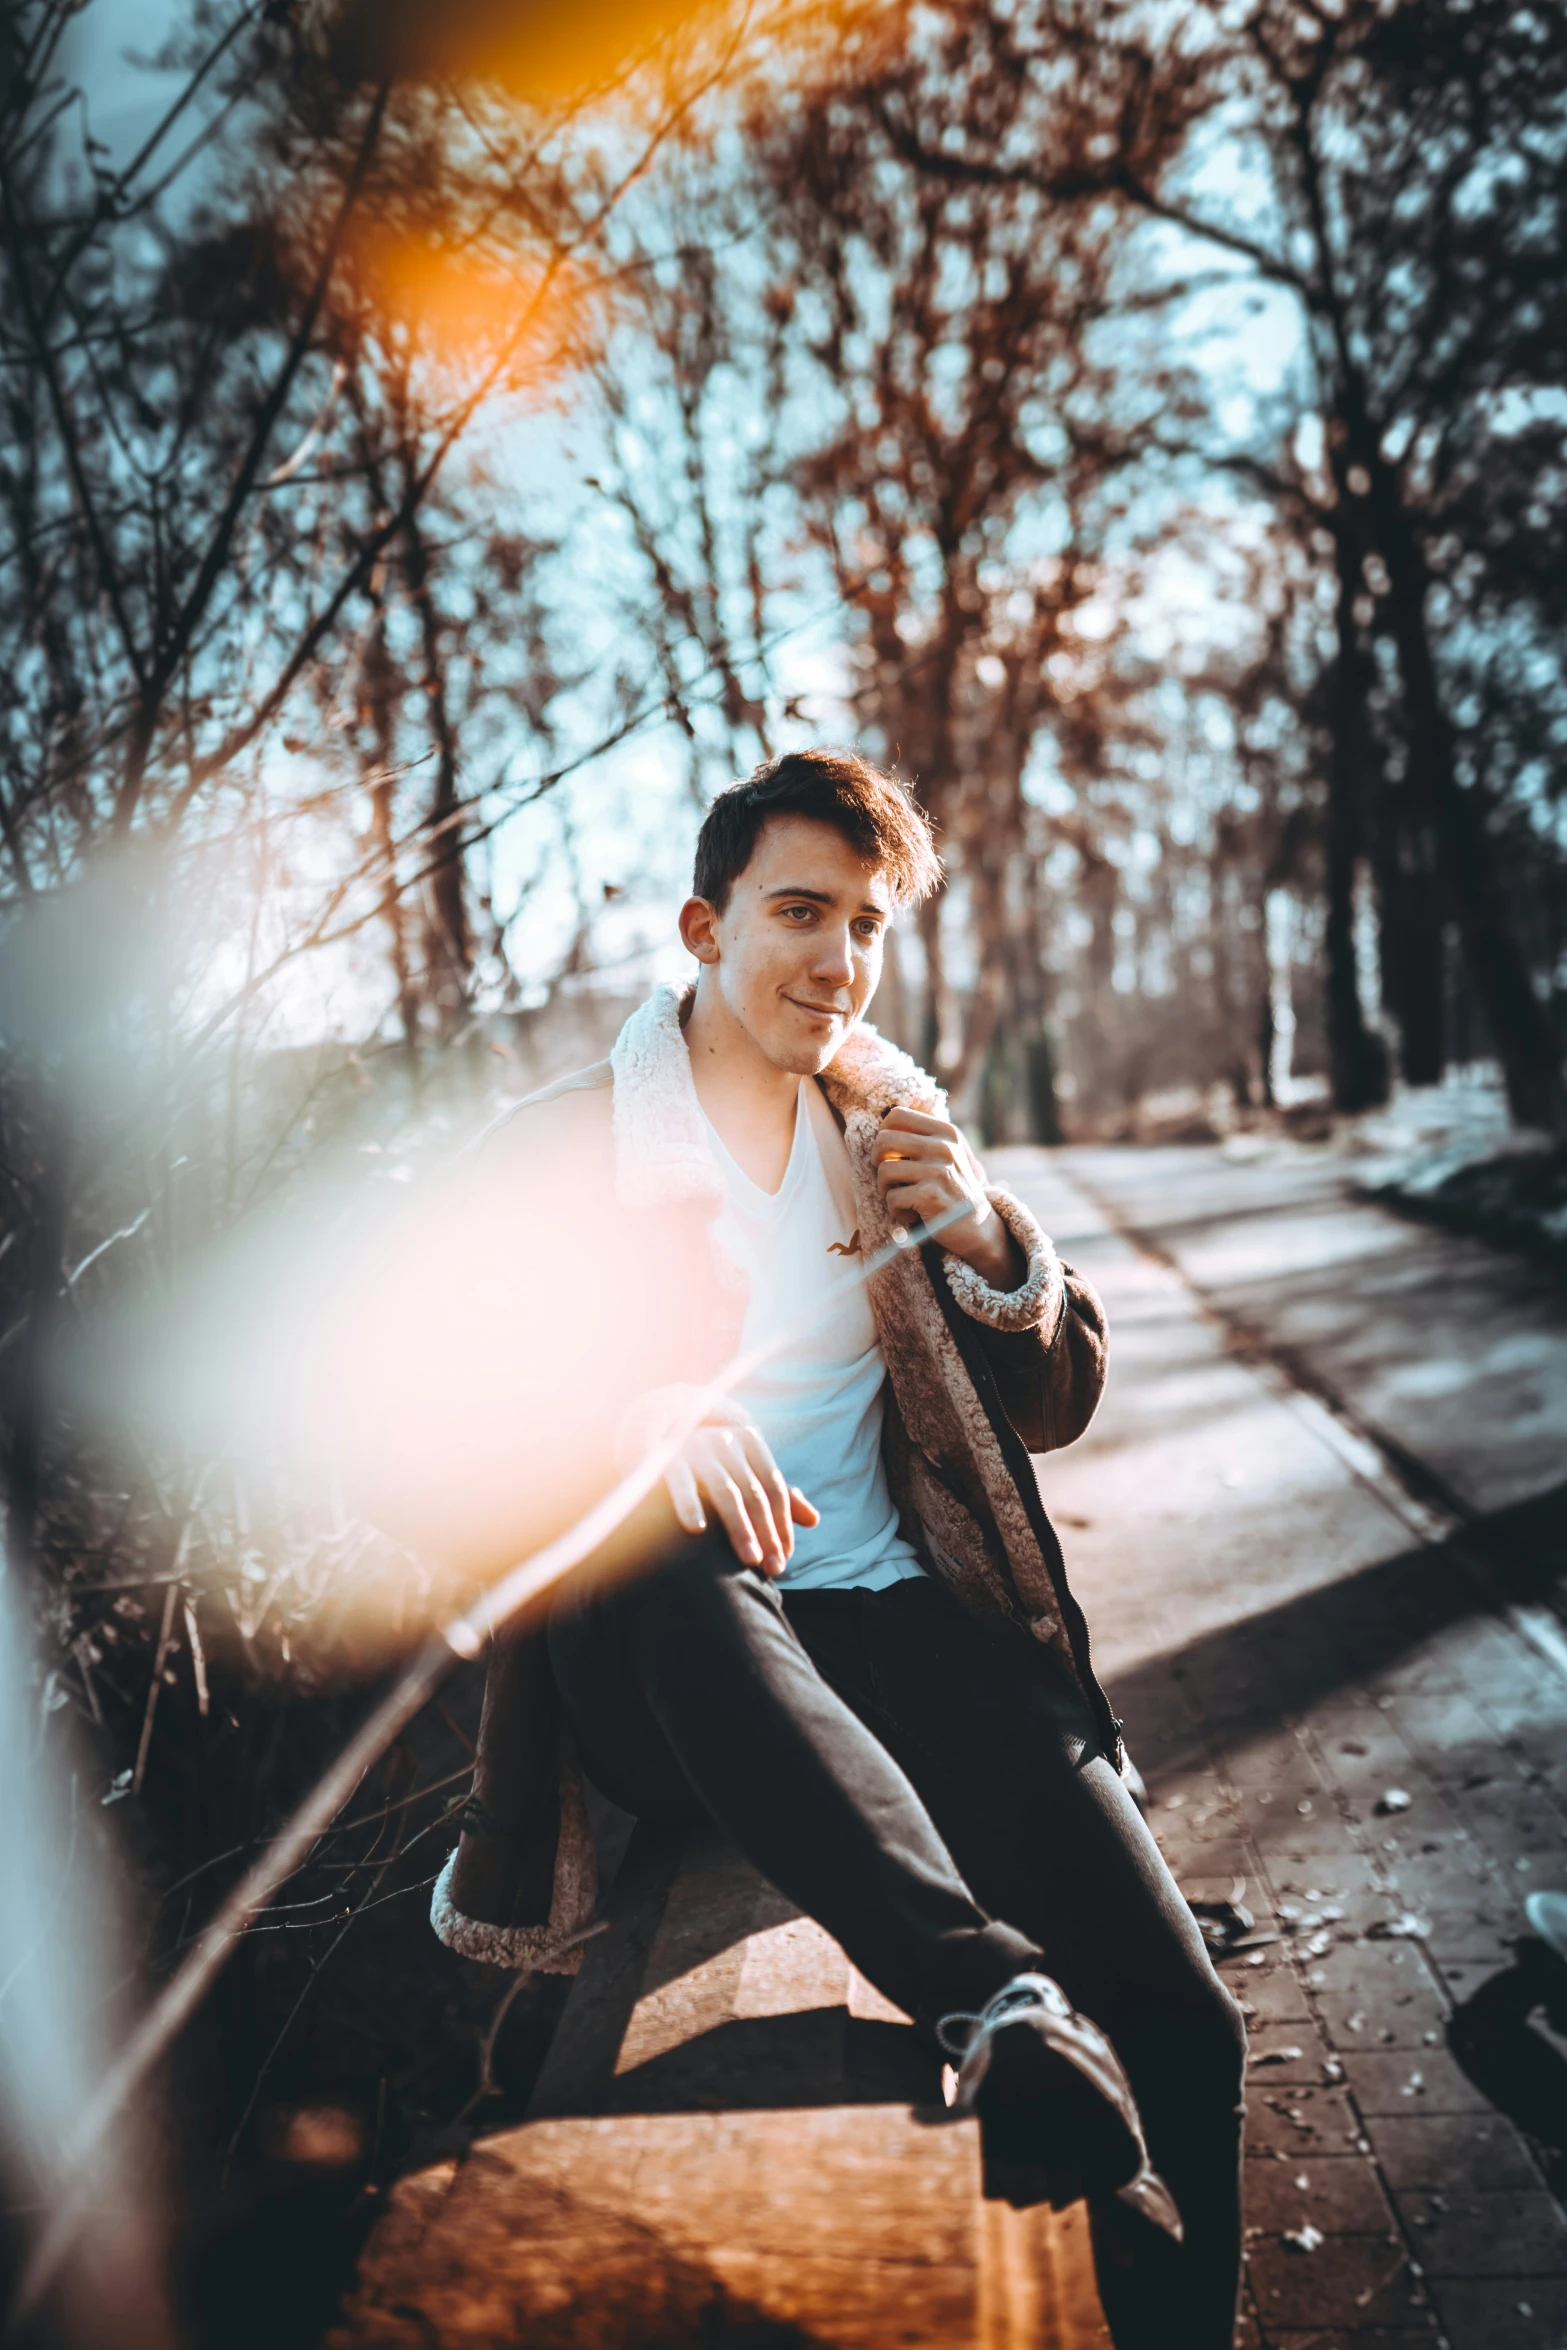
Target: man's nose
834	961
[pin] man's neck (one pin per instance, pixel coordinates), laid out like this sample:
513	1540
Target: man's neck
749	1099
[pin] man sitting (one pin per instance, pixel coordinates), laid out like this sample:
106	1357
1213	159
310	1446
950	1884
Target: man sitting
858	1652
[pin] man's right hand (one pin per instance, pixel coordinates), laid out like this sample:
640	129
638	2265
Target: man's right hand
725	1469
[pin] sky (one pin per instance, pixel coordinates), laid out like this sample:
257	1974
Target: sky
124	98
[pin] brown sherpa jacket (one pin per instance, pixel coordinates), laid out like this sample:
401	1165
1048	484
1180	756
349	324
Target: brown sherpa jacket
977	1379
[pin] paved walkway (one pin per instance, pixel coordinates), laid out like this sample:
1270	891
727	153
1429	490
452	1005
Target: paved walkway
1316	1526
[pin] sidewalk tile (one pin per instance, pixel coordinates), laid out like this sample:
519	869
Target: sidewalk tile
1268	1995
1522	2313
1348	2280
1281	1757
1450	1733
1360	1911
1298	2119
1359	2337
1398	2081
1498	2233
1207	1883
1374	2016
1348	1717
1521	1814
1435	1669
1204	1846
1207	1873
1533	1718
1497	1678
1448	2152
1357	1966
1283	1829
1286	2052
1428	1818
1194	1789
1311	1880
1463	1978
1479	1938
1445	1879
1342	2196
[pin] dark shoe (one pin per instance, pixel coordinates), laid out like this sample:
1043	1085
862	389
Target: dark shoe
1051	2096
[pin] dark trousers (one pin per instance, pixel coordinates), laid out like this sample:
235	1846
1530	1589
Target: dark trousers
931	1791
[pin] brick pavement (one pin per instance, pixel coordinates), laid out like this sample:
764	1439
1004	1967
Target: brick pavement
1291	1640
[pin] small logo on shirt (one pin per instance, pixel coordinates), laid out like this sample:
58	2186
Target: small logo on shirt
845	1248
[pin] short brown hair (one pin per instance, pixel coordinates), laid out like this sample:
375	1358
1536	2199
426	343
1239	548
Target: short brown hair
877	815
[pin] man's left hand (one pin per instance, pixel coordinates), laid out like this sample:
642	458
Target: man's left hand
926	1169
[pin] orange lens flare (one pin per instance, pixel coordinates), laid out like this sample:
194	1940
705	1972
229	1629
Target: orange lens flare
460	305
541	51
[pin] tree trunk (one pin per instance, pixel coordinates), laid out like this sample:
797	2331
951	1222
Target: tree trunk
1265	1045
1357	1056
1031	995
379	685
1234	991
451	947
1520	1024
933	1028
986	876
1411	927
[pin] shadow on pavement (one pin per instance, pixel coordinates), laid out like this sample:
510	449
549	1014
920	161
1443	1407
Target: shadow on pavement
1519	2067
1289	1658
818	2056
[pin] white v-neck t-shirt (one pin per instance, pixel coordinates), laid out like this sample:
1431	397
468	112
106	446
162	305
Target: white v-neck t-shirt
819	1402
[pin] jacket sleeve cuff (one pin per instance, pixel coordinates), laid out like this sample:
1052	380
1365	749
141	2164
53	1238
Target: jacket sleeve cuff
1040	1298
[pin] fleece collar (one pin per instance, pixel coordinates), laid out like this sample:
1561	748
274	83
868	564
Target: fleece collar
661	1149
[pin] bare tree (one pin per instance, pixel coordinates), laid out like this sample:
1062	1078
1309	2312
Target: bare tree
274	668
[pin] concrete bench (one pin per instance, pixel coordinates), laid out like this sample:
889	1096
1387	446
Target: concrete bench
734	2141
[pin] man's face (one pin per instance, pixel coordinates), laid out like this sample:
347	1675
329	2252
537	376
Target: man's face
799	944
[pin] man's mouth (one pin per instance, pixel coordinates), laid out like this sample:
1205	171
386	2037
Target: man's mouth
817	1011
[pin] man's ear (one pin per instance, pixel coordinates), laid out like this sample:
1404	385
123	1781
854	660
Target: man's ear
699	929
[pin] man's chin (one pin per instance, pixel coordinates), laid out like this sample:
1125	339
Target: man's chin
809	1054
804	1060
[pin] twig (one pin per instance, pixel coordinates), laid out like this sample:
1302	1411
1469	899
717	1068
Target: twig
309	1985
485	2085
457	1732
525	1974
436	1787
266	2062
160	1659
171	1594
126	1232
197	1654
